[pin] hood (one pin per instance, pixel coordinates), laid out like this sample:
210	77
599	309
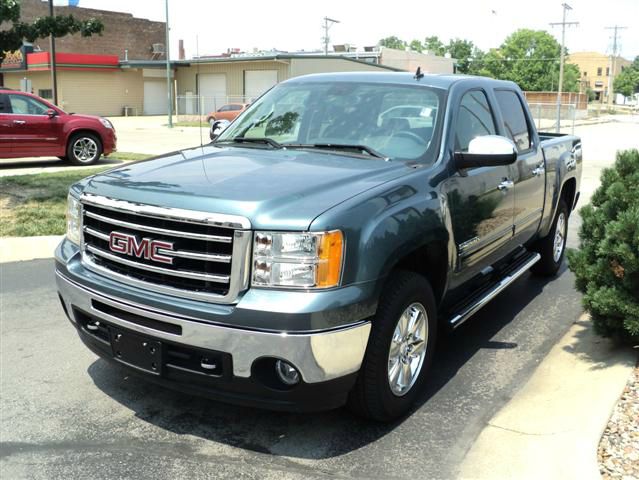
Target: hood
275	189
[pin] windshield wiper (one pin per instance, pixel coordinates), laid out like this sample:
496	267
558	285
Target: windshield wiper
339	146
264	140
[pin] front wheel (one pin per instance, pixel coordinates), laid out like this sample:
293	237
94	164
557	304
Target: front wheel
552	247
84	149
400	349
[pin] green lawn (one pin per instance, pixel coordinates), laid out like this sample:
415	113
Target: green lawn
129	156
191	124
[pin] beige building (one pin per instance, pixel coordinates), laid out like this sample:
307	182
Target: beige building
595	69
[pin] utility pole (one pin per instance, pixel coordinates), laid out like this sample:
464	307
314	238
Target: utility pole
563	24
167	50
54	74
613	63
328	23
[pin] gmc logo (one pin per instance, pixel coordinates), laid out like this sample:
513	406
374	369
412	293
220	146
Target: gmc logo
143	248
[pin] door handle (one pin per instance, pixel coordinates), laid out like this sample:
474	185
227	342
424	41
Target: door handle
19	122
506	185
539	170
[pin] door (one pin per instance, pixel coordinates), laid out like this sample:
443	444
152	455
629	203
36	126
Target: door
155	97
480	200
33	132
529	173
256	82
6	127
212	91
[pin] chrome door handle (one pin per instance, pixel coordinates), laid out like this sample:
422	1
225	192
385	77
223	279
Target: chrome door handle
539	170
19	122
506	185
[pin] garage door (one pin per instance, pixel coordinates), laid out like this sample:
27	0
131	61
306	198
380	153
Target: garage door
155	97
212	90
256	82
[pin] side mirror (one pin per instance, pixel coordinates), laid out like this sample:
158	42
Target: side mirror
487	151
51	113
217	127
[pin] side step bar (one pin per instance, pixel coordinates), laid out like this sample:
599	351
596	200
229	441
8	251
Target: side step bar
470	310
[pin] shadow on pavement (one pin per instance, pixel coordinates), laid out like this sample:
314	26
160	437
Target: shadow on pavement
307	436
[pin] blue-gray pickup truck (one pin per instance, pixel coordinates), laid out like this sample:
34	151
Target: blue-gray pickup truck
309	256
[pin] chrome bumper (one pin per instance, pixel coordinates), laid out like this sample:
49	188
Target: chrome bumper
319	356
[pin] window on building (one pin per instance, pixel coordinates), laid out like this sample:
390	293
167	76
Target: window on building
585	74
474	119
599	70
45	93
607	71
514	118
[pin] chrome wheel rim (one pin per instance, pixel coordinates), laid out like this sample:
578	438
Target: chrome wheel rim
407	349
560	237
85	149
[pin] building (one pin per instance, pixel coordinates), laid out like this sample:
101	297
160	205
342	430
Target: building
595	70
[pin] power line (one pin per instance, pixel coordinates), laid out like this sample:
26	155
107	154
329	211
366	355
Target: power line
613	62
563	24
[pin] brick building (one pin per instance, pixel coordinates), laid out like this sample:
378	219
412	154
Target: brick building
122	32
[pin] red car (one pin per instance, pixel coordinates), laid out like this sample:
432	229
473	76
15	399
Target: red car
33	127
227	112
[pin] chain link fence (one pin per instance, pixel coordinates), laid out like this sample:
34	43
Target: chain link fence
198	107
545	116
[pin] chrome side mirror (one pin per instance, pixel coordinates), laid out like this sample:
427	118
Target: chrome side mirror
487	151
217	127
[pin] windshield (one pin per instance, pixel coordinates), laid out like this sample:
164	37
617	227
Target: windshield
400	122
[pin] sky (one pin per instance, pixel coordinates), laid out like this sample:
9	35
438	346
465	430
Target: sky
297	25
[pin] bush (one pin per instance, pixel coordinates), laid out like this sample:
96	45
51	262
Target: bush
606	265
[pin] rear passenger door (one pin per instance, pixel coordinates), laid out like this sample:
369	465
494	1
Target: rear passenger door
529	170
480	200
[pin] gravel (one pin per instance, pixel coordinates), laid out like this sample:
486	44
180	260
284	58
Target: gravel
619	446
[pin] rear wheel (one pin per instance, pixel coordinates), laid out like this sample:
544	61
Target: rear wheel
552	247
84	149
400	349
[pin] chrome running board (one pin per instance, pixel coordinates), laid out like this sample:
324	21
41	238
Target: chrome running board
470	310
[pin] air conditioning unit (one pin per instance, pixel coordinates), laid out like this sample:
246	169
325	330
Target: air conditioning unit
158	48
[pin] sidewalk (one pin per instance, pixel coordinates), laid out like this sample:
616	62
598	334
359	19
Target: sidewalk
552	427
16	249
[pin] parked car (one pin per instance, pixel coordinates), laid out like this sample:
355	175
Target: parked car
227	112
312	253
32	127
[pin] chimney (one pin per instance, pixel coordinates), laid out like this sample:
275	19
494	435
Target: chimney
181	54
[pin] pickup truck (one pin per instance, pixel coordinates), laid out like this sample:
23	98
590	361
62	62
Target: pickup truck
311	254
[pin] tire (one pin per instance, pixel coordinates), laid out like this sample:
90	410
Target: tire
552	247
84	149
375	395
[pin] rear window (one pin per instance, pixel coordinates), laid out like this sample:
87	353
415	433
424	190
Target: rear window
514	118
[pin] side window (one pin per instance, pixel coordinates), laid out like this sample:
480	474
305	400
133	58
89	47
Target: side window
514	118
224	108
474	119
23	105
4	104
236	108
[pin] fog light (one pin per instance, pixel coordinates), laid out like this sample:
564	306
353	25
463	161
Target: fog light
287	373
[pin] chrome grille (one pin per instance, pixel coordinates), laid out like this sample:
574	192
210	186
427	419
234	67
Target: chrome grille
208	256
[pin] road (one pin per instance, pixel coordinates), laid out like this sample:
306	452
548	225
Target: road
67	414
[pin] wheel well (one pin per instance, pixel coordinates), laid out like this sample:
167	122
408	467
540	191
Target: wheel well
81	131
568	192
431	261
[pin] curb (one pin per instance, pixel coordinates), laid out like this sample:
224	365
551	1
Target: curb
18	249
552	427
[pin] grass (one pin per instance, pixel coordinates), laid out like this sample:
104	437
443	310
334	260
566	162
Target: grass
191	124
129	156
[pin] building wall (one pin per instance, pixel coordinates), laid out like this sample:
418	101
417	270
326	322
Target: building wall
89	92
306	66
121	31
595	71
409	61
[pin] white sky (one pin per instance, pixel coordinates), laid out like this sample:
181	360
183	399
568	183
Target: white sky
297	24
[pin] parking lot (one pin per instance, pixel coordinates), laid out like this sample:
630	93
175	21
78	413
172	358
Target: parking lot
67	414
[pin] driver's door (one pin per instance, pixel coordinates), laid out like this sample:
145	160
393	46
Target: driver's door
34	134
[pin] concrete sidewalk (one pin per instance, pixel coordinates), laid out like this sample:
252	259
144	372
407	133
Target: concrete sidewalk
552	427
16	249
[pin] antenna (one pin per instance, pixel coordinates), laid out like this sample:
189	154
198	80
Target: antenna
197	75
327	27
418	74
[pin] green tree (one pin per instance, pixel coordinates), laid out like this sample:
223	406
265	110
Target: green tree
393	42
416	45
14	31
462	50
434	45
627	82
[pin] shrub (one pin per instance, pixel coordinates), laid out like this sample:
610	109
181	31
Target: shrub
606	265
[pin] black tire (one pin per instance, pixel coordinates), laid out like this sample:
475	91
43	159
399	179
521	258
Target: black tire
372	396
550	261
78	155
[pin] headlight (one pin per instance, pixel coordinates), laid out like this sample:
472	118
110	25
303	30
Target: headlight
74	219
297	260
106	123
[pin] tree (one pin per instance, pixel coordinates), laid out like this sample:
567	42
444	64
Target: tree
393	42
15	31
462	50
627	82
434	45
416	45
